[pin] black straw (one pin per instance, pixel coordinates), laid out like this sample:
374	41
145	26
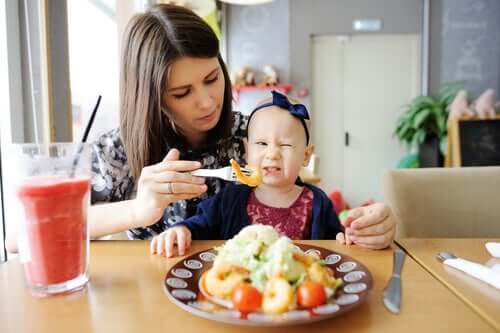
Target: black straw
84	138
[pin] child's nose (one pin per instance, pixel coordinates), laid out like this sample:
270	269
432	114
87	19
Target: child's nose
273	152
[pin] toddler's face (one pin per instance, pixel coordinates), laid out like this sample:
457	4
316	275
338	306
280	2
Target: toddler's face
277	145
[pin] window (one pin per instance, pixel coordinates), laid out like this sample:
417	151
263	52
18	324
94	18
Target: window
94	64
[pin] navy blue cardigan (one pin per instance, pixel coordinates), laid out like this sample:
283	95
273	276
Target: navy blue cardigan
225	214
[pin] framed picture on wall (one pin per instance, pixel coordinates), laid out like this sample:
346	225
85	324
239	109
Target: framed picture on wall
479	142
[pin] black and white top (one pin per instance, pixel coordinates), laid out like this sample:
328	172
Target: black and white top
112	181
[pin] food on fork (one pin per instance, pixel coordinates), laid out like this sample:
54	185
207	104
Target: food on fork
254	179
257	270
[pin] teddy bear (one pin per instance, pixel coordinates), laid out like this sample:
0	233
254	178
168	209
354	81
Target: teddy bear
271	77
244	76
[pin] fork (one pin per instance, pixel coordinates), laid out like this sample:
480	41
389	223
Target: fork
225	173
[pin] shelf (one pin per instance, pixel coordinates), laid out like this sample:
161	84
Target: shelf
282	87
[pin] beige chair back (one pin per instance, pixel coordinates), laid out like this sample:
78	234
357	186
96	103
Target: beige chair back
445	202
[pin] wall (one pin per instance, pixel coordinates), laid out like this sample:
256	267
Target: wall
319	17
258	36
465	44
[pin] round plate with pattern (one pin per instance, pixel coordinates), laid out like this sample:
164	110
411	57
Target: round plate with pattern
182	288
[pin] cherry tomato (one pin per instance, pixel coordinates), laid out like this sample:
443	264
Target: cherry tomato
246	298
311	294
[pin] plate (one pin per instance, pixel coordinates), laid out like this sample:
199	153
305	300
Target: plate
182	288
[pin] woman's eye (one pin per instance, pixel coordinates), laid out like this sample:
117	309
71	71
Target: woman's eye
181	95
212	80
285	145
261	143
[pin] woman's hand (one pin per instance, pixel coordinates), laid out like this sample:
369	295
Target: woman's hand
371	226
164	243
162	184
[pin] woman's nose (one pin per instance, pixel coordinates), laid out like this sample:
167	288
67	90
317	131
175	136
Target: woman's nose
204	99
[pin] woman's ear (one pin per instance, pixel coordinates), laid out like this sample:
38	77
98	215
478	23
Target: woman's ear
308	153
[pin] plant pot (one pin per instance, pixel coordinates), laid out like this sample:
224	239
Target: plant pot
429	154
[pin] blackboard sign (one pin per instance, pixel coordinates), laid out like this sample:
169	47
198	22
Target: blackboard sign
480	142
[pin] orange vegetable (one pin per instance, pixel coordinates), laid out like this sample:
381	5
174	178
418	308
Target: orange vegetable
311	294
246	298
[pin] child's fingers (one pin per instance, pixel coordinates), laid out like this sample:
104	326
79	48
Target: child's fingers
181	241
160	244
340	238
152	245
188	240
170	239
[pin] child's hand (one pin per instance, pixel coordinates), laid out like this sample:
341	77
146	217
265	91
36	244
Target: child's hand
371	227
164	243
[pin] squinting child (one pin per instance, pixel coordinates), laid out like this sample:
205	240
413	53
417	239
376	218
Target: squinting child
278	143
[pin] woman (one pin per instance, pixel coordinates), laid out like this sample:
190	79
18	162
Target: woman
176	117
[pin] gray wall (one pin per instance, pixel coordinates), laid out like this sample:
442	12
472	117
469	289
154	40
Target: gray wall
465	44
464	35
259	36
317	17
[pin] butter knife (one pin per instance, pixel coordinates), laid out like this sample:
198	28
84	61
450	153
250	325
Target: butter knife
392	293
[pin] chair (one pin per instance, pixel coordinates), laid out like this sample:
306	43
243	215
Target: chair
445	202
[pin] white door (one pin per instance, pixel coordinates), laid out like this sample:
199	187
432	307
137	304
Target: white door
360	85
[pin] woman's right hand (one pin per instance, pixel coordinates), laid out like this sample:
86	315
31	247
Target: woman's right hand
162	184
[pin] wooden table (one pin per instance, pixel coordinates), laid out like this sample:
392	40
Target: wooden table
126	295
481	297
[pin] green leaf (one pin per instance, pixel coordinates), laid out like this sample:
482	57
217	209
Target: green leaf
419	118
421	134
448	92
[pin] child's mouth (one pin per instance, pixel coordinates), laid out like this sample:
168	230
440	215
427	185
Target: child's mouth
272	171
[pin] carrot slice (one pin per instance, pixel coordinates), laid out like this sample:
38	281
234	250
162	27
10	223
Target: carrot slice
253	180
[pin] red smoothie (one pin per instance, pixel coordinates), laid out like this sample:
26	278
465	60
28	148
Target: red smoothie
56	228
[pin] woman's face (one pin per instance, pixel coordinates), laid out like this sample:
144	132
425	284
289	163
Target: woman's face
194	96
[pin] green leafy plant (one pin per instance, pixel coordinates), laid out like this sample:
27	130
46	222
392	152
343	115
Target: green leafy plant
426	116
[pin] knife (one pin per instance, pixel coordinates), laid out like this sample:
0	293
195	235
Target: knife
392	293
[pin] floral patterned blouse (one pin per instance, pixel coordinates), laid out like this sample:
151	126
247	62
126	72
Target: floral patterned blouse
112	181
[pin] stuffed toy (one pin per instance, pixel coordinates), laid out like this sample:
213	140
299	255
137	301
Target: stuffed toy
244	76
484	106
270	76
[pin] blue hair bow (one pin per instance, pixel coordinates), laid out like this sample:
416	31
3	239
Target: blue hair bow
280	100
297	110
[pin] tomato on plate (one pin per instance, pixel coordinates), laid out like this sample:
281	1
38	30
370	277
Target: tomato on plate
246	298
311	294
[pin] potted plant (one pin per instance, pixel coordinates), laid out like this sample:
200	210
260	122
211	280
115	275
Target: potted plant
423	125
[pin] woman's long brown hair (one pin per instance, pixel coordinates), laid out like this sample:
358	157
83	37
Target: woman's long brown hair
152	42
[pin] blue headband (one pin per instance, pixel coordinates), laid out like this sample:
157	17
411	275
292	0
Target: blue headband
297	110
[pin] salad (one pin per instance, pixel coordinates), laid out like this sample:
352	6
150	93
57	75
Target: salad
258	270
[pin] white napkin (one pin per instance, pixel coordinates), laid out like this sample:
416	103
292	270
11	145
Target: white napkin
476	270
493	249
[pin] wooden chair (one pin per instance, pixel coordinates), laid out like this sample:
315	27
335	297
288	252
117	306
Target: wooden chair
445	202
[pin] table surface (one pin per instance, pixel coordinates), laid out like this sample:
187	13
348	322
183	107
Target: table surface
126	294
481	297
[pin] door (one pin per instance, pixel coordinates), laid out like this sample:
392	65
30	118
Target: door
360	84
